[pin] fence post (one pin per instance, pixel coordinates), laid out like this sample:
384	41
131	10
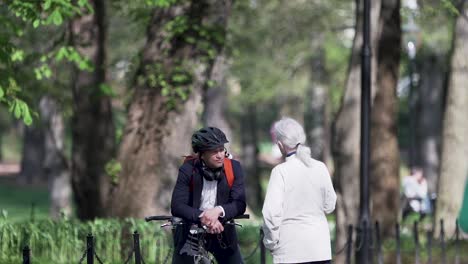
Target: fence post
26	255
349	244
416	242
457	243
442	242
429	247
378	242
89	249
398	243
262	248
136	247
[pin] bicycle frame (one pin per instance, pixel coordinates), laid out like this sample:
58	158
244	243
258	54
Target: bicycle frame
198	250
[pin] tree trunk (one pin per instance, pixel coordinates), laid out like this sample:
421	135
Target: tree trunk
316	118
175	65
385	159
454	165
55	162
215	98
346	131
431	89
32	156
250	161
92	123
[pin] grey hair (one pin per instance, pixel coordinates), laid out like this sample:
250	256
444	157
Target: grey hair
291	134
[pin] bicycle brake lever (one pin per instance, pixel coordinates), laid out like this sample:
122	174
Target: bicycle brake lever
166	224
234	224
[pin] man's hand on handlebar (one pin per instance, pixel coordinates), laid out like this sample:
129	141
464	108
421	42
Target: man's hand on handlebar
210	216
216	228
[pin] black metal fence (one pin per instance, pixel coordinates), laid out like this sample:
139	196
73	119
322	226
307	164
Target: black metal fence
449	250
437	248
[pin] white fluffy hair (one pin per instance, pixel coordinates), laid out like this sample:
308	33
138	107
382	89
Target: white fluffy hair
291	134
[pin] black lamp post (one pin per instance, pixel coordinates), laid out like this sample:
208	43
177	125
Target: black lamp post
363	255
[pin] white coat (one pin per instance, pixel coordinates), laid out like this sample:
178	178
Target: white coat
297	199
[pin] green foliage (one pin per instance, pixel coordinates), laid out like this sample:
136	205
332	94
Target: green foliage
113	169
208	39
19	17
15	105
65	241
72	55
272	44
46	12
449	5
173	82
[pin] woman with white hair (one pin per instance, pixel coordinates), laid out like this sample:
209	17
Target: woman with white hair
299	194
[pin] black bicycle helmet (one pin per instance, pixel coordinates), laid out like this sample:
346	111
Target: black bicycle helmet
208	138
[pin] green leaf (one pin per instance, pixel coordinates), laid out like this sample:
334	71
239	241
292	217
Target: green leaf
210	83
38	74
2	93
47	4
107	90
82	3
27	119
18	55
17	110
165	91
36	23
56	17
63	52
47	72
113	169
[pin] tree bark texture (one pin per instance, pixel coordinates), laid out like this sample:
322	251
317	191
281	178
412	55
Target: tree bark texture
55	162
433	69
316	118
183	41
215	98
92	122
385	156
454	165
31	171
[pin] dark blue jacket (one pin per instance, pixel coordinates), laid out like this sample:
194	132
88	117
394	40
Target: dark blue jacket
186	199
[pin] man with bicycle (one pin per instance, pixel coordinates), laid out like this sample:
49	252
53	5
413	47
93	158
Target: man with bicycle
205	195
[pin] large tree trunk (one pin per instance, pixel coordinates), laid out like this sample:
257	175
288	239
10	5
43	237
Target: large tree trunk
384	163
431	89
346	132
454	165
215	98
163	111
55	162
92	123
32	156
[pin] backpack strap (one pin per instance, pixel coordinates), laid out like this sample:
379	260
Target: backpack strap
229	172
191	159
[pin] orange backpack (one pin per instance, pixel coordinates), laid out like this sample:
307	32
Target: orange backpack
228	171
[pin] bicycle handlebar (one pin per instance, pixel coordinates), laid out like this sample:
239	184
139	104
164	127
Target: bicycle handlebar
244	216
167	217
158	218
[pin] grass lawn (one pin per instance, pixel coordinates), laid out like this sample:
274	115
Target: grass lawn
20	202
